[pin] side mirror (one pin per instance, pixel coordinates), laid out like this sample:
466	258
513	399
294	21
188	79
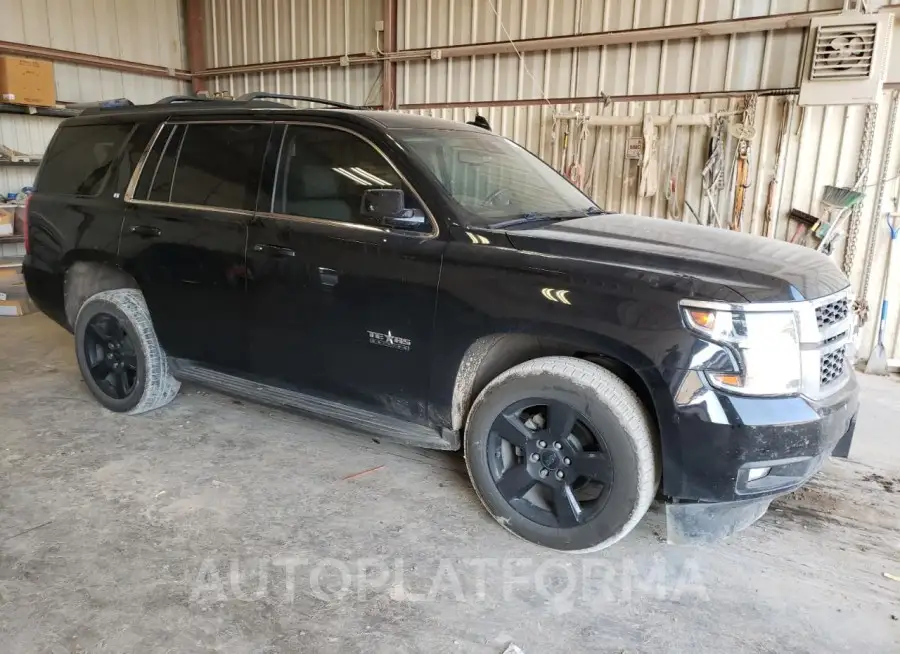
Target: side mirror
386	206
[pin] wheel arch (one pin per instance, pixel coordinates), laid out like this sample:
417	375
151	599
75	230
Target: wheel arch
88	272
490	355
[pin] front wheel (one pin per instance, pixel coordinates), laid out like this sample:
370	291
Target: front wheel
562	453
119	355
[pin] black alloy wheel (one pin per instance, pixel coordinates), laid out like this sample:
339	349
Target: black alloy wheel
111	357
549	463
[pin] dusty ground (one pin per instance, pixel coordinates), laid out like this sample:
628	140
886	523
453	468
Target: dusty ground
217	526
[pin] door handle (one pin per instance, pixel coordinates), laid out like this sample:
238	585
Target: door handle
328	276
146	231
275	250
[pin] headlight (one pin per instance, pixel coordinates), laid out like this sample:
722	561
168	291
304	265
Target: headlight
767	346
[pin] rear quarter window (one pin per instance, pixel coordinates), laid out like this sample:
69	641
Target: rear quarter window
80	159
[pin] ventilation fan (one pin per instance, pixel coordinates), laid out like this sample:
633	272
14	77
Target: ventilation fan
847	59
843	53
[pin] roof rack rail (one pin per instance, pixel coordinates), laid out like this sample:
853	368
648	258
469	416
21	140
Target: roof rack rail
102	104
262	95
170	99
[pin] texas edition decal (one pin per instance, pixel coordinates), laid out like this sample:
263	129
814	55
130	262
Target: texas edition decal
389	340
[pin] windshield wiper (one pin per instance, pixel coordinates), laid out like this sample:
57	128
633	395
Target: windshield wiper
535	217
524	219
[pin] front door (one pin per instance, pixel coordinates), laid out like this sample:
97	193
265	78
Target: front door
342	306
185	233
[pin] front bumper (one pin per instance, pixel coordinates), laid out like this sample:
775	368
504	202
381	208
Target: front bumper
722	437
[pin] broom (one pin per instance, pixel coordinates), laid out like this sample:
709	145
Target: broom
836	198
877	363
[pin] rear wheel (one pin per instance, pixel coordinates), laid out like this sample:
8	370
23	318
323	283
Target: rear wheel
119	355
561	453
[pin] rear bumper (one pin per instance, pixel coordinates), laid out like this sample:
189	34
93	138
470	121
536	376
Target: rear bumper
721	438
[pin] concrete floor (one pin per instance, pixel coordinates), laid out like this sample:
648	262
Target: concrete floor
214	526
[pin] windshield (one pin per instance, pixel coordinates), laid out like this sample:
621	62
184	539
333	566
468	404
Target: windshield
494	180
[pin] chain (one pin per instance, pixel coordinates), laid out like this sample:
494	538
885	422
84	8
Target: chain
862	176
742	161
750	111
862	305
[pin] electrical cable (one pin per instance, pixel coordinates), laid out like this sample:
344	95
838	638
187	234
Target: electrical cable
889	179
519	54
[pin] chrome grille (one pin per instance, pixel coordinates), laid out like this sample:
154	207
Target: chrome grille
832	366
826	337
833	312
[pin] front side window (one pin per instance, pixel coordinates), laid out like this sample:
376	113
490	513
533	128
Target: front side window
493	180
81	158
324	173
206	164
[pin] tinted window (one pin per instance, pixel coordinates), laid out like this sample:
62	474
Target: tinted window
151	163
161	186
135	147
80	159
492	179
219	165
324	172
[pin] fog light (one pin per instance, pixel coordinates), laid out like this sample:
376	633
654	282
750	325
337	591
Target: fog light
757	473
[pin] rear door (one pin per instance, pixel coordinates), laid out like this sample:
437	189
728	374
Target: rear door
185	233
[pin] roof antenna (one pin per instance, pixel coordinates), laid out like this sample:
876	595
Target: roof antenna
480	121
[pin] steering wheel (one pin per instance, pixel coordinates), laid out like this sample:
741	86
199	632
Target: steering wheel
493	197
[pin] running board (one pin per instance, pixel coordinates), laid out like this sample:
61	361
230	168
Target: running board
376	424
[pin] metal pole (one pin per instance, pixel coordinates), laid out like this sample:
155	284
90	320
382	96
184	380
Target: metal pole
389	45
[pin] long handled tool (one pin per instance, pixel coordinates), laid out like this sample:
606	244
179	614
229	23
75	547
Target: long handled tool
877	363
805	222
837	202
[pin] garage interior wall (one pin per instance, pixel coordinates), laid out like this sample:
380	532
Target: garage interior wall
143	31
542	98
532	96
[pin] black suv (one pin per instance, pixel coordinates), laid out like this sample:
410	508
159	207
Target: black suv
436	284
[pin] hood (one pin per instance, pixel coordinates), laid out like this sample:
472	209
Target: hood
760	269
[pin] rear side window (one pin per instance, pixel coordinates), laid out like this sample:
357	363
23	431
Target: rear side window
161	187
81	159
206	164
132	154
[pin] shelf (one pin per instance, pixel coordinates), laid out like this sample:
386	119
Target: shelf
21	163
37	111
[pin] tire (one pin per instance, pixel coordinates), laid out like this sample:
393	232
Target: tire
149	384
621	461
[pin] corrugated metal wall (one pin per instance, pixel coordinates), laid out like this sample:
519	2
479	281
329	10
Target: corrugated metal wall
819	147
748	61
146	31
242	32
27	134
253	31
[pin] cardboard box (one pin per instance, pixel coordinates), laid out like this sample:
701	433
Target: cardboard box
14	299
27	81
7	220
15	308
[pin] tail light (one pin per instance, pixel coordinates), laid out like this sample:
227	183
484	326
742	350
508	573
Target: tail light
25	224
